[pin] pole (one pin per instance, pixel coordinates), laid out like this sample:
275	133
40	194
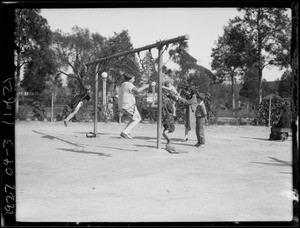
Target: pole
270	106
104	97
159	106
96	100
52	103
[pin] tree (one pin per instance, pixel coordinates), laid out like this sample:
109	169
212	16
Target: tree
148	68
270	31
41	69
269	87
73	51
189	73
230	55
249	86
32	34
116	67
285	85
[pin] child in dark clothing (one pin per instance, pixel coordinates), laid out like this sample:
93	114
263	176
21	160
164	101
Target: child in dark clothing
200	115
168	118
77	102
283	122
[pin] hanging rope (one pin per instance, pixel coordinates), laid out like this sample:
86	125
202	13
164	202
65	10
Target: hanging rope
169	56
142	63
124	63
91	77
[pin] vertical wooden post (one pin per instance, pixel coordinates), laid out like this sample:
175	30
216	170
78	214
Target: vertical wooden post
96	99
104	98
270	107
52	104
159	101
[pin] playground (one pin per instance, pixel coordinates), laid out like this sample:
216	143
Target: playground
63	176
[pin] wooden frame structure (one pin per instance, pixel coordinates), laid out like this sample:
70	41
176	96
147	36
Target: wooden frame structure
159	45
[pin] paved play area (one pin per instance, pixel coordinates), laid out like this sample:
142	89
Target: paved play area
62	176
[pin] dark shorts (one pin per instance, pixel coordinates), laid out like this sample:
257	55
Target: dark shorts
169	124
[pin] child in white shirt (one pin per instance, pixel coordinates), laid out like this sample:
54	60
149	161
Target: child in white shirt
127	103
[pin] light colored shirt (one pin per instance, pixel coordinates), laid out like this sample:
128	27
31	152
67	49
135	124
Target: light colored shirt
126	97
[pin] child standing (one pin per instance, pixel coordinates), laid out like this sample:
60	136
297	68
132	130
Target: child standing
168	85
200	115
127	103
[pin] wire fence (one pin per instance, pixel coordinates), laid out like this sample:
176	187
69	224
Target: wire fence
49	107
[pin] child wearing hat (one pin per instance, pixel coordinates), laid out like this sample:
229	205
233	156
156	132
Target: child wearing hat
200	115
127	104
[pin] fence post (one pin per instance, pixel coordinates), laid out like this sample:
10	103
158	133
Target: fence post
159	99
270	110
96	100
52	104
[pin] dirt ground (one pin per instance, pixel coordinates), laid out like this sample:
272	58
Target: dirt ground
62	176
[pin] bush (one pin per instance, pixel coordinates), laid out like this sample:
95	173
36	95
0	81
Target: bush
262	116
22	114
39	112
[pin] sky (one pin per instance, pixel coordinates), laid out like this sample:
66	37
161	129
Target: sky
148	25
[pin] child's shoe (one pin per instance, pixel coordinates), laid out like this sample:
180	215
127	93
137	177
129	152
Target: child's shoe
185	139
170	148
197	144
125	136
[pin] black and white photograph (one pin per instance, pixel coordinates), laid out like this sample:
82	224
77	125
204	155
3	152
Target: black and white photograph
151	114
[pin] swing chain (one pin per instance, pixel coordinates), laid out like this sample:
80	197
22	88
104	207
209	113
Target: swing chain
124	63
169	56
151	57
142	63
166	48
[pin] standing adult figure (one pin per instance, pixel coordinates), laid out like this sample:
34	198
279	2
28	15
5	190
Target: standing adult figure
190	108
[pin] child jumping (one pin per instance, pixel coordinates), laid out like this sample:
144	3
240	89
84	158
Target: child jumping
77	102
168	118
127	103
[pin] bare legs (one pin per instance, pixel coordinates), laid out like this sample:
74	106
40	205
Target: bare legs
186	135
166	136
71	115
131	125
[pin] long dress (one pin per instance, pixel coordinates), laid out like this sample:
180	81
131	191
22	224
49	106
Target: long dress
190	108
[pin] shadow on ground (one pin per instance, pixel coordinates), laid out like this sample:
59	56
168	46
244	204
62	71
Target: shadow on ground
262	139
276	162
84	152
98	133
51	137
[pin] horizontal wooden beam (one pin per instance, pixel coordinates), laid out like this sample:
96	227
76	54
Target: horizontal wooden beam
158	44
